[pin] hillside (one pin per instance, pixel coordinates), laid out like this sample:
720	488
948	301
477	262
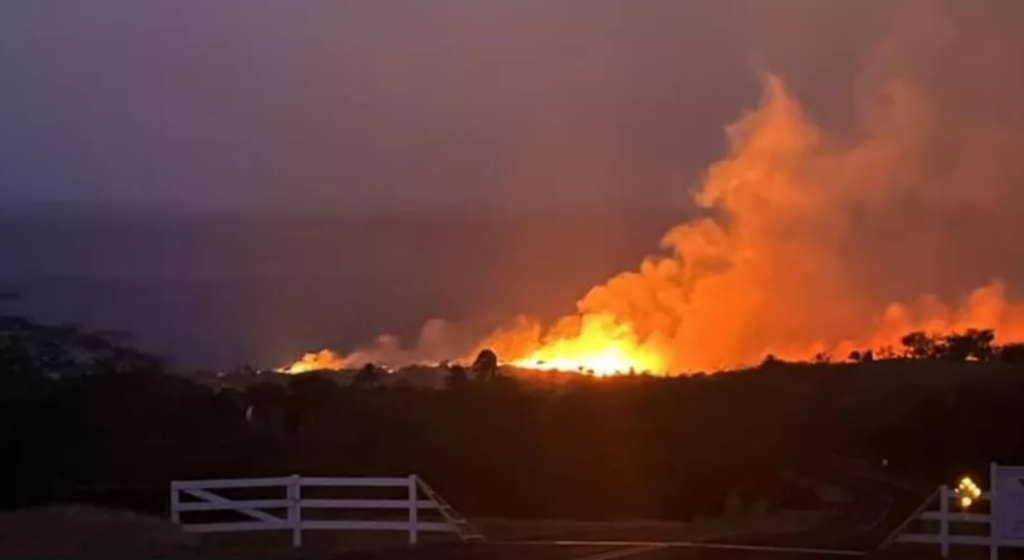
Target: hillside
642	447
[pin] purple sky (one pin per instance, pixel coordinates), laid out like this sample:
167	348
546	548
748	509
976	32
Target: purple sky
399	103
345	106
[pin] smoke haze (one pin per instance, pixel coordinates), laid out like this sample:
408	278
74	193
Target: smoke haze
816	240
875	188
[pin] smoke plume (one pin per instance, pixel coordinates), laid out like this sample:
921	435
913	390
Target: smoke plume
822	241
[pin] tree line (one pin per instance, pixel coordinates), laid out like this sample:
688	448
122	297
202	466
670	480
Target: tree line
87	418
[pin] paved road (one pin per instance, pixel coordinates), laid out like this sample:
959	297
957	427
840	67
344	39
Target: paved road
637	551
857	528
877	508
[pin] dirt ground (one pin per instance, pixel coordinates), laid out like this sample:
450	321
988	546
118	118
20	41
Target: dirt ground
74	531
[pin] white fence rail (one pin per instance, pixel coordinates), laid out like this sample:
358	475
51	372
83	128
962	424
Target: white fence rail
1001	526
946	516
188	496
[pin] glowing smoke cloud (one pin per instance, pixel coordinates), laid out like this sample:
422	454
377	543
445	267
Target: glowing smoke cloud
813	241
771	271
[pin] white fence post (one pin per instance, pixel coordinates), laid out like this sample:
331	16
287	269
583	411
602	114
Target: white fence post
295	509
944	520
413	511
993	535
175	502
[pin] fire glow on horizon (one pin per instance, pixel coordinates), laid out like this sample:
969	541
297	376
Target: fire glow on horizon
768	269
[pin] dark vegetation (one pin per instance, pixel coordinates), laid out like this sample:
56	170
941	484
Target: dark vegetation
85	418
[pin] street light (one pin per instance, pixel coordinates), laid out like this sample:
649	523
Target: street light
968	492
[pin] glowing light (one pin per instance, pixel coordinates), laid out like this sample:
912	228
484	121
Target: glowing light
968	492
597	343
314	361
607	361
967	487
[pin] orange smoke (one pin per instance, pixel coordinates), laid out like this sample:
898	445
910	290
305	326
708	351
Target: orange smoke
777	265
766	272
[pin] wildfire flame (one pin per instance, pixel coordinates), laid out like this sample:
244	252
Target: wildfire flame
598	344
603	346
315	361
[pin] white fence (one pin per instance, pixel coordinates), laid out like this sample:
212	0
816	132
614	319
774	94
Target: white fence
1001	526
198	496
946	516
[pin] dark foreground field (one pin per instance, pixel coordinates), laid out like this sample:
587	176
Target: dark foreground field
853	445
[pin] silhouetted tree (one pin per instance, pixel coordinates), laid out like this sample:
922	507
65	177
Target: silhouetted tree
887	352
268	402
860	357
310	395
367	377
922	346
1012	353
486	365
457	377
311	390
974	344
63	350
771	361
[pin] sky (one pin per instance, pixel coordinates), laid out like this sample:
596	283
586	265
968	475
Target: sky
400	103
455	105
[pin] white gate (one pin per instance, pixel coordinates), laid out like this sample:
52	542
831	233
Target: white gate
283	509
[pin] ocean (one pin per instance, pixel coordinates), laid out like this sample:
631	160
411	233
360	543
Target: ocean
220	289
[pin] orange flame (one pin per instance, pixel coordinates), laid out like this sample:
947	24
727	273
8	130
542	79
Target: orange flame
315	361
601	345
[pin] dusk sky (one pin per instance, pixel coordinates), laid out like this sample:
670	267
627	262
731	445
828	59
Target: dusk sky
400	103
608	112
746	273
